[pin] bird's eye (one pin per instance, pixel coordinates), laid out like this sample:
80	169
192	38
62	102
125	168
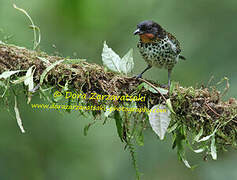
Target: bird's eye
149	28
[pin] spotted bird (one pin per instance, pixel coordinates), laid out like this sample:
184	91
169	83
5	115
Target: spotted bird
158	47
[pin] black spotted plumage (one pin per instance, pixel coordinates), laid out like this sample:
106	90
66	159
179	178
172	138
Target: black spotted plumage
158	47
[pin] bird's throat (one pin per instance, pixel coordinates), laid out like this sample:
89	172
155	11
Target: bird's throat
147	38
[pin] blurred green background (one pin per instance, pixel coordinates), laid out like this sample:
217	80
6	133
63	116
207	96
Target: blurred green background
54	146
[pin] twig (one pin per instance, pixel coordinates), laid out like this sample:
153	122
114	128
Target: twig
208	83
153	87
234	120
211	109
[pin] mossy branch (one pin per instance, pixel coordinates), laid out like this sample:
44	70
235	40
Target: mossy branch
198	111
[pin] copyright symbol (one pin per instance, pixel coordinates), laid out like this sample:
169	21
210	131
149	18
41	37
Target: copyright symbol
57	94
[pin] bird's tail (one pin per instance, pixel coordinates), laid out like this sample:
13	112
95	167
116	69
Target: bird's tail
182	57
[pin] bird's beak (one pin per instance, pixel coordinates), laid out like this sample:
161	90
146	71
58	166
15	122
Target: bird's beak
137	32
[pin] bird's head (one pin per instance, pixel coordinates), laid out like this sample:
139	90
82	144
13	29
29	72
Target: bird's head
149	31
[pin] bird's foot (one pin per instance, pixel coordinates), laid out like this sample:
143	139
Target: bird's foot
166	86
138	76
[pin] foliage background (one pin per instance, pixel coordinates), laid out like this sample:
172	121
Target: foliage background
54	146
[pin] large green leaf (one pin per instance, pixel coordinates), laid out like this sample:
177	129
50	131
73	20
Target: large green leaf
126	63
119	124
111	59
159	121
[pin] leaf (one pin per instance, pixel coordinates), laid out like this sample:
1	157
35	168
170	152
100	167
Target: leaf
119	122
44	60
148	87
140	138
197	137
169	105
29	78
227	86
2	84
126	63
207	137
159	121
39	34
65	88
7	74
111	59
171	129
48	69
140	86
172	86
2	43
19	80
186	163
108	111
179	141
213	148
113	62
18	118
73	61
32	26
199	150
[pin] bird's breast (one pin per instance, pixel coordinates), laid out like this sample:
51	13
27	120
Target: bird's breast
158	54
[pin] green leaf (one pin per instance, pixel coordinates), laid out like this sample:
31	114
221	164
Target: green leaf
159	121
199	150
162	90
172	87
18	118
140	138
32	26
171	129
169	105
73	61
126	63
186	163
66	88
140	86
2	43
148	87
110	59
197	137
119	124
207	137
2	84
7	74
48	69
213	148
29	78
179	141
44	60
107	112
19	80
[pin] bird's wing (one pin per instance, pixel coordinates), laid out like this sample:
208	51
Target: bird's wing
175	45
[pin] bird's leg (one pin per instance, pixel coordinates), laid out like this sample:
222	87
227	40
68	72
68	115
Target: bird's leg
169	74
140	75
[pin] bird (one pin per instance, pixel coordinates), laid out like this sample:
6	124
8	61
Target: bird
158	47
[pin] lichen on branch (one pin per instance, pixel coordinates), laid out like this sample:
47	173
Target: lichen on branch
201	118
